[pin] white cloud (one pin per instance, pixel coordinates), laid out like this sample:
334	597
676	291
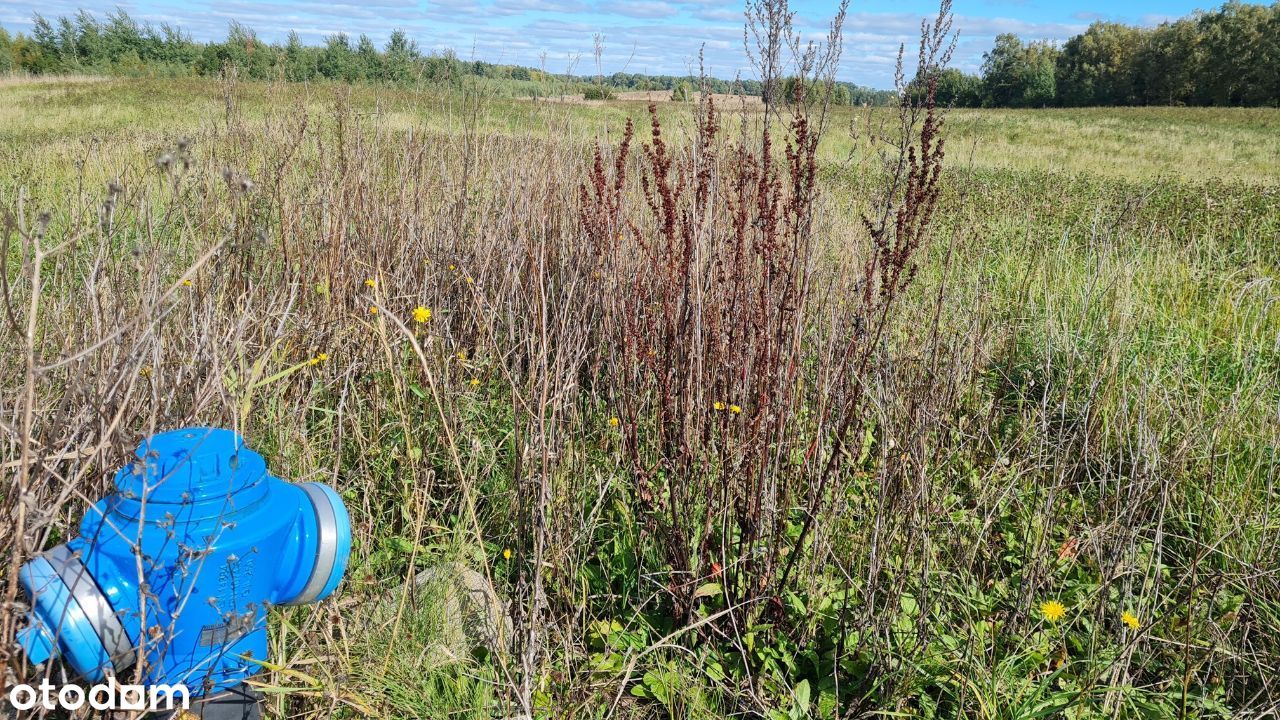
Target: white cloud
638	8
718	14
656	36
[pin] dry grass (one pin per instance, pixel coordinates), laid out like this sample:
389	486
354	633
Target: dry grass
1074	401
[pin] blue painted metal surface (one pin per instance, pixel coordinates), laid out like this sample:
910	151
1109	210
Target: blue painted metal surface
179	566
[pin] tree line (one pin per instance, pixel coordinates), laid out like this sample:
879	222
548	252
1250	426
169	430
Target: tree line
122	46
1228	56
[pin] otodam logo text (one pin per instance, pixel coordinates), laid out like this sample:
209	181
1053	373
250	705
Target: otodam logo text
104	696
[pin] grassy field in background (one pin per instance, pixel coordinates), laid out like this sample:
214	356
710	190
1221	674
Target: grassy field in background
1230	144
1101	394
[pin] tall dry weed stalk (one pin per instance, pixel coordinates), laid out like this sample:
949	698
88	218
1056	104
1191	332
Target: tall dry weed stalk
743	394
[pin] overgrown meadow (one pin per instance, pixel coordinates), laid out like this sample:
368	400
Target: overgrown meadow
737	426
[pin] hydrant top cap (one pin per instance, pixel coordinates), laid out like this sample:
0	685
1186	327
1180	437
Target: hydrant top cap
190	464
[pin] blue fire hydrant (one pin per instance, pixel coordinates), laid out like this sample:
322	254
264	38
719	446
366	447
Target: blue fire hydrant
179	566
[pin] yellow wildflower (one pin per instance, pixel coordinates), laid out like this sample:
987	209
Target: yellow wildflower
1130	619
421	314
613	421
718	405
506	554
735	409
462	356
322	357
475	382
373	309
186	283
145	371
1053	610
469	280
371	283
452	266
314	361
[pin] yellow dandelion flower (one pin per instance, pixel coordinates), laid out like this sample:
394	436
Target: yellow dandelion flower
614	421
145	371
373	309
1052	610
371	283
469	280
186	283
506	554
475	382
452	266
314	361
1130	619
735	409
421	314
718	405
462	356
322	357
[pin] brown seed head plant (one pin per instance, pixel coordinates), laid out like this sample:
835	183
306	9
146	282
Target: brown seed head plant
710	252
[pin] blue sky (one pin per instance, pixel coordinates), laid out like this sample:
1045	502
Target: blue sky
653	36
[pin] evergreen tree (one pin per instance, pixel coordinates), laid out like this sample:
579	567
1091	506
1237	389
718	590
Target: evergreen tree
120	36
337	62
300	62
368	61
44	54
399	58
175	48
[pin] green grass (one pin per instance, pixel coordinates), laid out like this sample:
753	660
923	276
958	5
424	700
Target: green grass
1109	338
1135	143
1189	144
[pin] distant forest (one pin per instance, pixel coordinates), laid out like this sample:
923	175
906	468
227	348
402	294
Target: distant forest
1228	56
121	46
